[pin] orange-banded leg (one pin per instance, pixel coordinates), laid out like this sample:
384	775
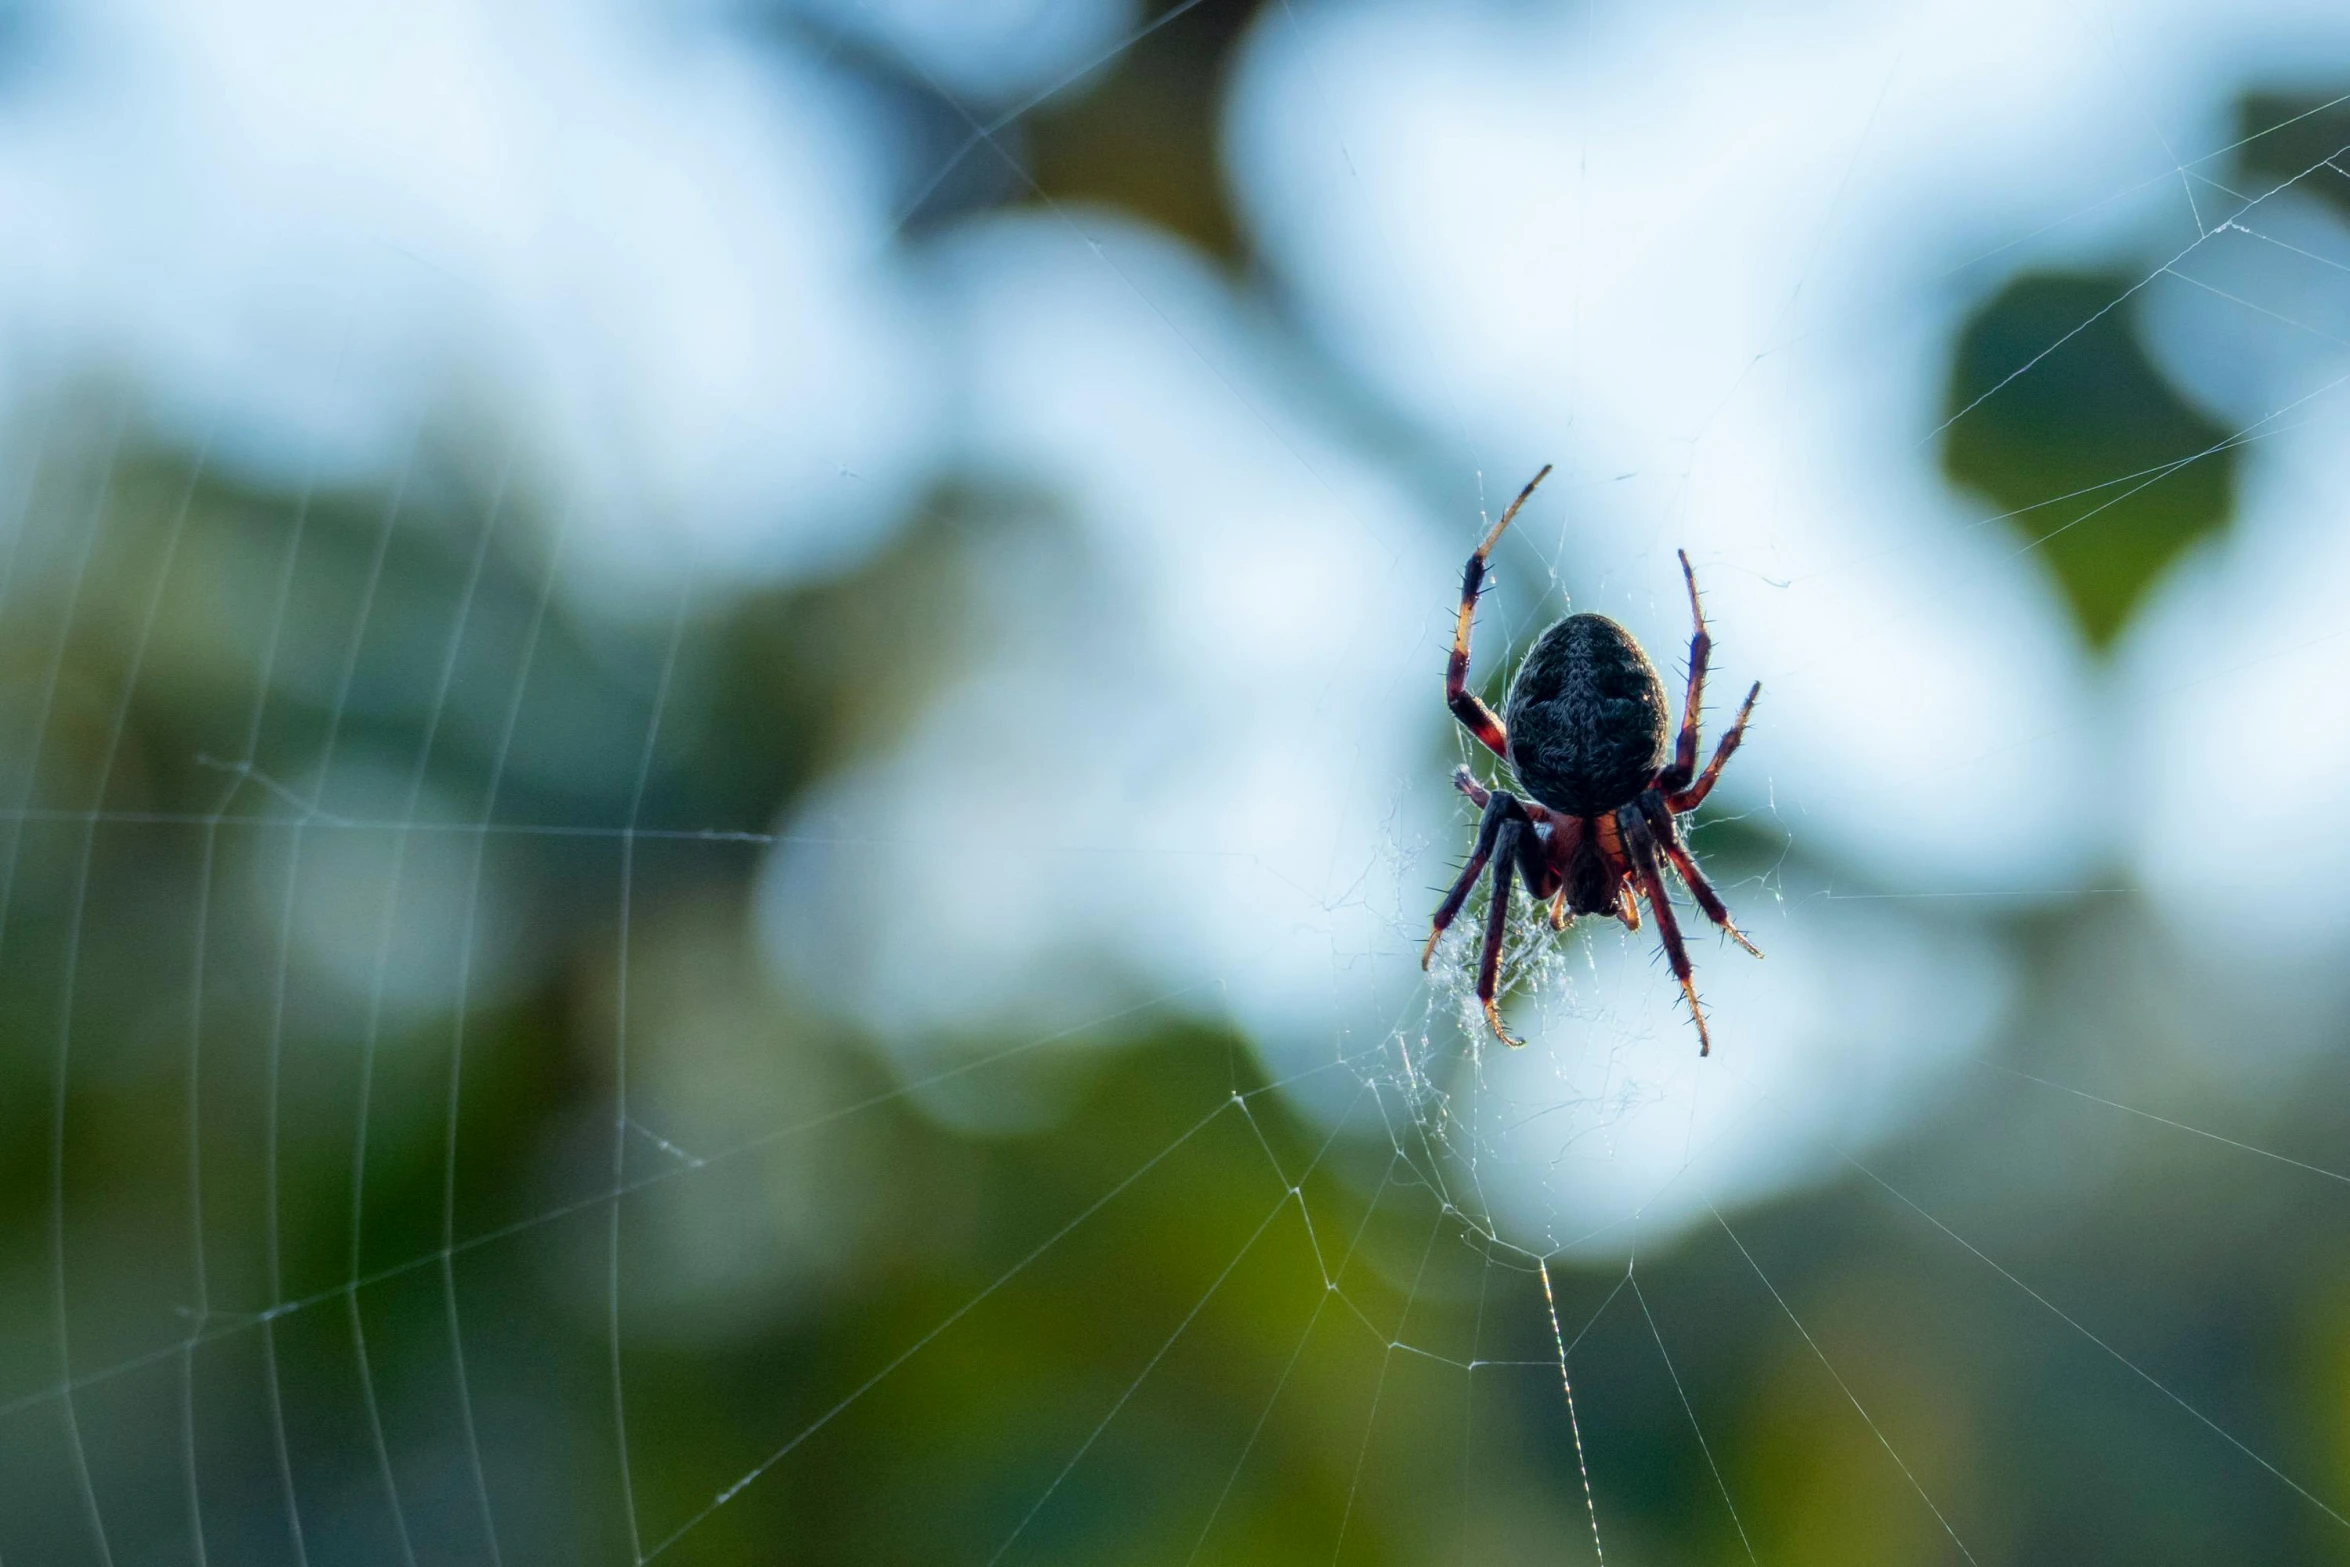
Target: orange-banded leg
1474	715
1682	801
1642	849
1668	837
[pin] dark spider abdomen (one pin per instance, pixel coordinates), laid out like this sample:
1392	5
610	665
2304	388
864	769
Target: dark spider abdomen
1586	717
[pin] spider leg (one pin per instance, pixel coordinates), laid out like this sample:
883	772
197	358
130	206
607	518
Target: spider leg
1542	879
1466	782
1701	646
1500	807
1668	838
1497	915
1474	715
1682	801
1642	849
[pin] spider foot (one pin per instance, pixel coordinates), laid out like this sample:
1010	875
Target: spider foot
1429	950
1493	1021
1558	912
1705	1042
1739	936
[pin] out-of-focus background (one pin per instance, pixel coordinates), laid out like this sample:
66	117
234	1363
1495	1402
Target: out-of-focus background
721	767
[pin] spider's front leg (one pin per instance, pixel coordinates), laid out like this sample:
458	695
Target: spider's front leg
1474	715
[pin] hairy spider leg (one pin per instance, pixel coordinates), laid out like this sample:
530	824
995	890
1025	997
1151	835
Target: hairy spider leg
1682	801
1548	837
1668	837
1701	647
1500	806
1668	929
1497	915
1474	715
1542	859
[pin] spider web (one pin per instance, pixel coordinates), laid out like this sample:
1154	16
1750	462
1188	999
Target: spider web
422	1152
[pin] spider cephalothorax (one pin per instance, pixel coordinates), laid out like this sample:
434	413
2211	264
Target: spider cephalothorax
1586	732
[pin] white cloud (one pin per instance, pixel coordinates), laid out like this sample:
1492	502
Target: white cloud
1184	769
989	48
2240	679
1609	1132
660	261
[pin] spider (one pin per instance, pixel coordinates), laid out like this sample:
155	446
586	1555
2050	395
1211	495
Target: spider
1587	720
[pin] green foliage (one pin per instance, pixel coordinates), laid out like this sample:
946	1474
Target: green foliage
2093	459
1147	141
1120	1311
2295	136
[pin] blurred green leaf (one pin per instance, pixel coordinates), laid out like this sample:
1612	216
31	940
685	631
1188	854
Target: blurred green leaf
2286	137
1147	140
2061	422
